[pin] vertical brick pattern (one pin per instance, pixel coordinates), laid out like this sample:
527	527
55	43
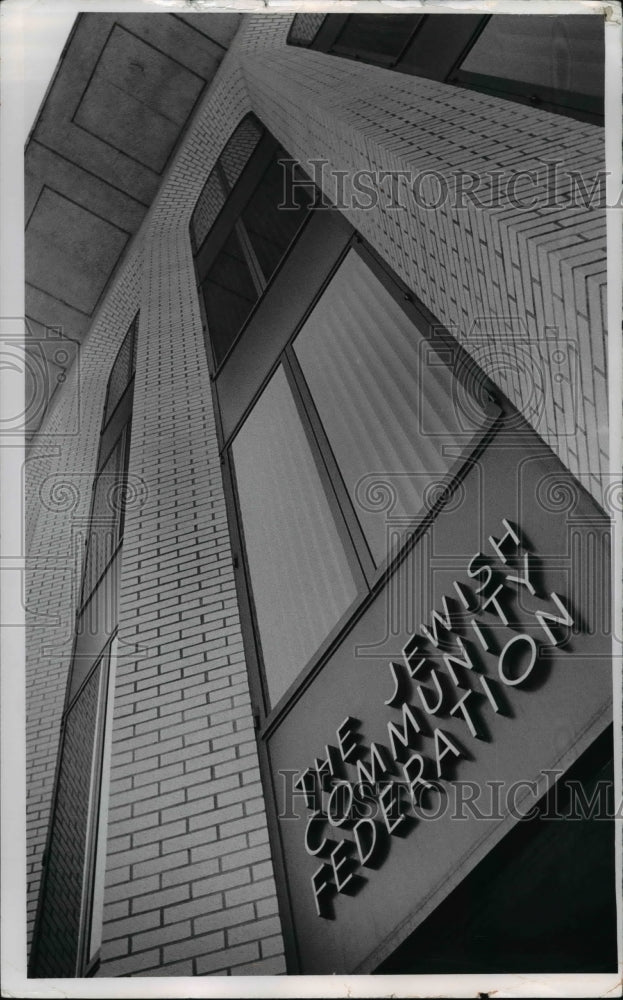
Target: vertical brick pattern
190	885
62	898
190	888
58	480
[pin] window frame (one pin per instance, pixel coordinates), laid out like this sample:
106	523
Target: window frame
132	334
115	427
102	661
86	596
347	523
98	807
230	214
338	47
98	814
451	46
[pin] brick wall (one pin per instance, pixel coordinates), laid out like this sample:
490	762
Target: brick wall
58	479
190	886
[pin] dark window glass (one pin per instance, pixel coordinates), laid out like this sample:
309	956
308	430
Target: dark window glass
378	36
229	294
270	228
558	54
67	933
224	177
301	579
237	258
238	150
57	947
106	517
556	62
393	412
211	201
304	28
122	371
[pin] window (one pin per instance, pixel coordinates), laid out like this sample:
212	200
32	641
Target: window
387	402
61	943
304	29
238	232
68	927
383	37
363	404
107	505
300	574
106	525
93	903
554	62
330	391
122	372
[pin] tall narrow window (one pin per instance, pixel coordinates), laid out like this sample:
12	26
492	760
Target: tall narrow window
391	407
59	925
364	404
300	574
239	232
68	926
93	899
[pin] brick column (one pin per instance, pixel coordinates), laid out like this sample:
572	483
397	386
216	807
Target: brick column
190	887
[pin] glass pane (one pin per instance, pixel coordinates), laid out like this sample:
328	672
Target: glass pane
561	53
383	35
122	371
304	28
100	814
223	178
235	156
229	296
105	527
271	229
210	203
388	403
301	580
62	901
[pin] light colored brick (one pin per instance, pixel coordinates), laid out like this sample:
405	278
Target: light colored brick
223	960
194	946
177	583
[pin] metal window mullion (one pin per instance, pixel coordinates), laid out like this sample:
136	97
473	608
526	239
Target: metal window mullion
250	257
248	614
346	520
83	929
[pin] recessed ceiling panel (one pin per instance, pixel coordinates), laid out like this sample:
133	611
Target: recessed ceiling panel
137	99
69	248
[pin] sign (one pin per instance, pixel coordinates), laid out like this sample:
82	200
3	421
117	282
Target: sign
481	667
421	688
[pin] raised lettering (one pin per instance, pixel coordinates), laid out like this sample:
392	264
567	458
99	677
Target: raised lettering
513	649
347	739
444	746
543	617
406	736
497	546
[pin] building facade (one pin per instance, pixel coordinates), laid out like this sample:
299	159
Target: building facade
319	516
